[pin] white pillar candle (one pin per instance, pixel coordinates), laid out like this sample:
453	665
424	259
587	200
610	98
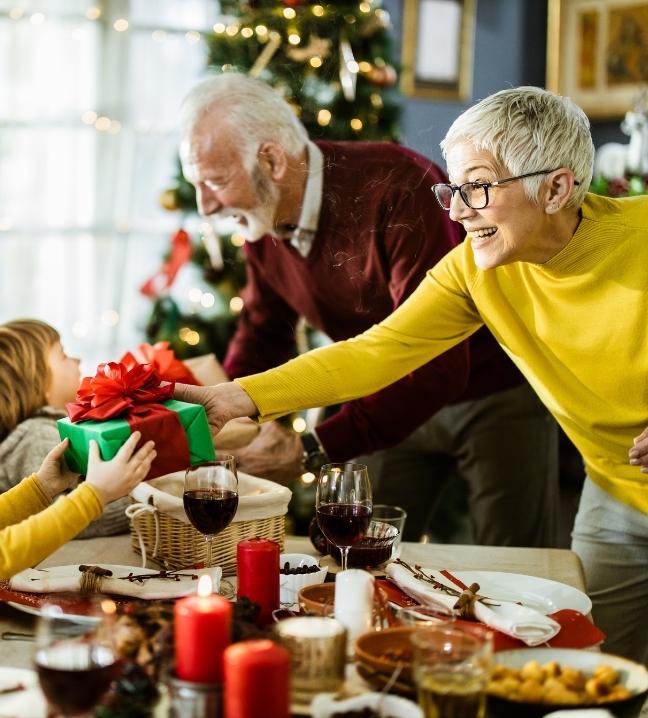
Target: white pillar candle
354	595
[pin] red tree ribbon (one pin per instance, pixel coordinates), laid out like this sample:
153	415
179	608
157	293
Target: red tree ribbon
134	394
165	276
163	360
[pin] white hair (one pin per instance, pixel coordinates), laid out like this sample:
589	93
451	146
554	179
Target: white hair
528	129
253	111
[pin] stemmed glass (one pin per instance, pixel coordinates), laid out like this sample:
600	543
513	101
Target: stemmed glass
76	661
343	505
211	497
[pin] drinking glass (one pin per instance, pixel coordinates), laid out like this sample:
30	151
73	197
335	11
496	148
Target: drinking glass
210	497
451	666
343	505
76	661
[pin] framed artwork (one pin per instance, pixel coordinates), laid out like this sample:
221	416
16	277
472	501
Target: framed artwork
438	38
597	53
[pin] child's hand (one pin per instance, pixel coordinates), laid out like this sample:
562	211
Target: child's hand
115	478
54	474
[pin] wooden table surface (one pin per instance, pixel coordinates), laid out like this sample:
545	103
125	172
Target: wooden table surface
556	564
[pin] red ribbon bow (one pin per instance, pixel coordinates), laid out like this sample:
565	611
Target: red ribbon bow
134	393
115	389
163	360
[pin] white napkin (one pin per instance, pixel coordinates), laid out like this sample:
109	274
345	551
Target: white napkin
526	624
68	578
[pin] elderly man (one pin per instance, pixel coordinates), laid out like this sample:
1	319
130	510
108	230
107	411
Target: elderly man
341	234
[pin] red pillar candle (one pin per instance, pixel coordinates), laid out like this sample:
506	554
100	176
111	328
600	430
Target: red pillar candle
257	575
202	632
257	680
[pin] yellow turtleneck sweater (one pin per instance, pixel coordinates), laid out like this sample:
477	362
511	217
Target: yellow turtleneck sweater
576	326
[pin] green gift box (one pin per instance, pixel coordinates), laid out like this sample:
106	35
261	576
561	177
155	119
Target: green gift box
111	434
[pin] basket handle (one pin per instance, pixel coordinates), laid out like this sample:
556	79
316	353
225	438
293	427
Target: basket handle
133	512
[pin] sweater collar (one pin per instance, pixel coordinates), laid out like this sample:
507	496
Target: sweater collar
303	235
597	234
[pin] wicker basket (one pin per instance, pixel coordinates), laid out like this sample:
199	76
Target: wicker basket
158	534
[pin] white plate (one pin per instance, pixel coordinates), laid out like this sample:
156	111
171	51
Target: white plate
542	594
33	611
633	675
28	703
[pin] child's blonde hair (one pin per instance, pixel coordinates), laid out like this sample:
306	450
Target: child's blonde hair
24	370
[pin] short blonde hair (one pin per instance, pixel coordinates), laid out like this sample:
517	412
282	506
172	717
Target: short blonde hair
528	129
24	370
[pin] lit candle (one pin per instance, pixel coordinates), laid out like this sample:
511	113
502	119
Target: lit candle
202	632
257	577
257	680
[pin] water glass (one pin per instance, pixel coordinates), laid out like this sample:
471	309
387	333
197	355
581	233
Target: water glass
451	667
394	516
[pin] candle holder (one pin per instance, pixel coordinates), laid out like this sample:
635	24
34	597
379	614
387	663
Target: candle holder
317	647
194	700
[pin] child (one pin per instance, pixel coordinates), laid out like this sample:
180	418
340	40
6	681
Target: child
37	380
45	526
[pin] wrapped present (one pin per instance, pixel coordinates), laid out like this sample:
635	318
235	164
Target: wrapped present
118	401
163	360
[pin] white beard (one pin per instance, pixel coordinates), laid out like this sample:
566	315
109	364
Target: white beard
260	220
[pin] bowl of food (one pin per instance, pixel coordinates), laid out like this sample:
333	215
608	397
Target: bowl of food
374	549
536	681
297	570
386	655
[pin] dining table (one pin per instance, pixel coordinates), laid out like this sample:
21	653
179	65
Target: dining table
559	565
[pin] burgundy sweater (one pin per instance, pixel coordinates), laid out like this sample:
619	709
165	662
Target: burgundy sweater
380	230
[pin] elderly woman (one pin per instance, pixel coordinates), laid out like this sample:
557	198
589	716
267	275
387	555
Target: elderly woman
560	277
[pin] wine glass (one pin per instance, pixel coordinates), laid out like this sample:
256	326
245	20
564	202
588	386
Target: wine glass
76	660
211	497
343	505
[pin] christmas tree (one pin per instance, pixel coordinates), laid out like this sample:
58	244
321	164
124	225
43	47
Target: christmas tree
331	61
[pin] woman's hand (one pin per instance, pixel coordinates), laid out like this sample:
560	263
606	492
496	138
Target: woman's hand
117	477
54	474
639	452
222	402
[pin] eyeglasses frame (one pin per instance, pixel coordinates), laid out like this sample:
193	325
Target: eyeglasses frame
485	186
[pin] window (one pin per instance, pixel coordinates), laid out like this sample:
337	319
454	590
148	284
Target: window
89	95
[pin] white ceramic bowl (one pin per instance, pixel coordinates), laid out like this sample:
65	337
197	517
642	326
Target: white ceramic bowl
291	584
325	705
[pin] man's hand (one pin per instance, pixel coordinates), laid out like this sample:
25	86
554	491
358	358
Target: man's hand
222	402
274	454
54	474
639	452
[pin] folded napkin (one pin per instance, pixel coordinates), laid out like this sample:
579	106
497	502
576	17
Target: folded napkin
68	578
526	624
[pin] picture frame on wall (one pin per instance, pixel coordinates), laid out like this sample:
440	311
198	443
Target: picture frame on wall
597	53
437	55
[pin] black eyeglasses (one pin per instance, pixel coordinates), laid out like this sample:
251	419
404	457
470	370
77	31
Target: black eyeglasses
475	194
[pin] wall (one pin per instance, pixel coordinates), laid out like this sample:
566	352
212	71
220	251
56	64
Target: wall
509	50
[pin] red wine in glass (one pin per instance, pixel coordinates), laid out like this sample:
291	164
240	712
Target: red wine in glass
344	524
76	661
210	497
210	510
74	676
343	504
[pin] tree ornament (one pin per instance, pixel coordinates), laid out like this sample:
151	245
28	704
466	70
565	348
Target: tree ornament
382	75
169	200
260	64
317	47
348	69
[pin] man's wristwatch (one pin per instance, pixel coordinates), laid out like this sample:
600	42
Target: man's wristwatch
314	455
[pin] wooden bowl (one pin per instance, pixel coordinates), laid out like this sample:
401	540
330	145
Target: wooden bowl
317	600
383	651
